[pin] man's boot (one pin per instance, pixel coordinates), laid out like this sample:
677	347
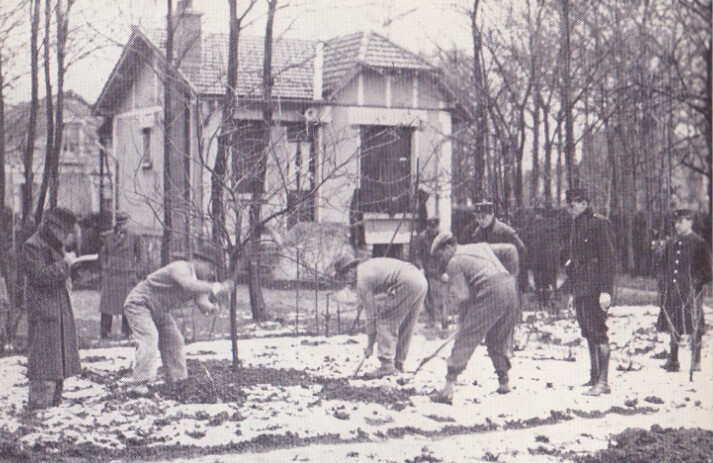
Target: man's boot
696	360
594	365
672	364
602	386
504	382
399	366
386	369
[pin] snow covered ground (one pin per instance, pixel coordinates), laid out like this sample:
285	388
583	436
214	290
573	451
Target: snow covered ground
544	418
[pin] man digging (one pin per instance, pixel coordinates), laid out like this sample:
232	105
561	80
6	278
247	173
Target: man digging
392	294
148	309
485	292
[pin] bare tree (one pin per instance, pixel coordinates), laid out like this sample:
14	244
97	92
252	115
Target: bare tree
29	151
167	119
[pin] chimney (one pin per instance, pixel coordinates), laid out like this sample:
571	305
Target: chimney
187	36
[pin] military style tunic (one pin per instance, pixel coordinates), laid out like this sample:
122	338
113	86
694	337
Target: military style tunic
435	302
591	269
686	266
123	261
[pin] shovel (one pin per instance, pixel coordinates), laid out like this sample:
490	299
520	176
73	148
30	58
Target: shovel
432	356
356	372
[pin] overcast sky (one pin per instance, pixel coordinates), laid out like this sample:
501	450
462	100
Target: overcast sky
416	25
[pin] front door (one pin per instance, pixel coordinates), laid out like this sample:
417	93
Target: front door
385	168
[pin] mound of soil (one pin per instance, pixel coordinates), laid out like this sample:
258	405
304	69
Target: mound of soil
213	381
656	446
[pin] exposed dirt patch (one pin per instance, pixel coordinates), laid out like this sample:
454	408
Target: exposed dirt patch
213	381
657	445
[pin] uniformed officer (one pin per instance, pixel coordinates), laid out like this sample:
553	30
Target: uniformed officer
435	297
492	230
591	267
392	293
123	264
483	287
686	270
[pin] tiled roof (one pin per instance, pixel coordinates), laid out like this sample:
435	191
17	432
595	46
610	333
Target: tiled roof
293	62
292	65
343	55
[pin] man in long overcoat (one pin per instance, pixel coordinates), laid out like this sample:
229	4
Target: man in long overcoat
52	355
392	293
123	263
482	280
686	270
591	268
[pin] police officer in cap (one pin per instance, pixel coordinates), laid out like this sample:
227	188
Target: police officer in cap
686	268
590	267
491	230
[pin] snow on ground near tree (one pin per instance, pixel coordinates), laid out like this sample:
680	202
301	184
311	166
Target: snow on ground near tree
546	399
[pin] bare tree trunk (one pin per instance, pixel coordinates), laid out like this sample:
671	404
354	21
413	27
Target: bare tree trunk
572	177
257	302
218	180
49	148
62	31
547	167
519	146
560	154
28	155
167	119
481	115
534	186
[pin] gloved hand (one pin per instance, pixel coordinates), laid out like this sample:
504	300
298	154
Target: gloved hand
605	301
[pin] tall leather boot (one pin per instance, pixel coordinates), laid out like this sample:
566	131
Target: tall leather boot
696	360
672	364
602	385
504	382
594	364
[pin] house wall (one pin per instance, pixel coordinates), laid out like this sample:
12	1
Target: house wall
406	103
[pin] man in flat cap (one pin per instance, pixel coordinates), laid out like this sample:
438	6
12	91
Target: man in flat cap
590	267
492	230
686	268
53	355
392	293
148	308
483	286
123	264
435	297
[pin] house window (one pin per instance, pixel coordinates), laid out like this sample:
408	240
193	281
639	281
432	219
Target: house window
301	172
385	169
146	161
248	145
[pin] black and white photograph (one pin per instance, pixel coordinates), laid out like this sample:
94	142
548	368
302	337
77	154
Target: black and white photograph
395	231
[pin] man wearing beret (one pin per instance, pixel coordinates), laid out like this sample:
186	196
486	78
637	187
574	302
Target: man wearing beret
483	286
123	263
148	308
590	267
491	230
53	354
392	293
686	268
